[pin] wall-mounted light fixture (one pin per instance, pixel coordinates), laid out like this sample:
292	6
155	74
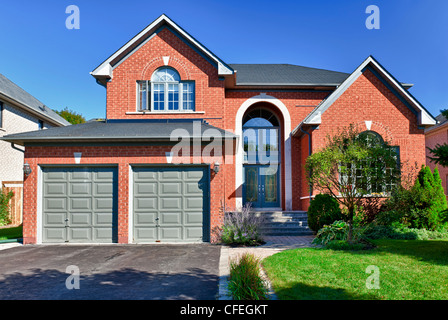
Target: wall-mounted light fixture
216	167
27	169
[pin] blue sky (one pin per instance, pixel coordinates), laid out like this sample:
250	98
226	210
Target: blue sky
53	63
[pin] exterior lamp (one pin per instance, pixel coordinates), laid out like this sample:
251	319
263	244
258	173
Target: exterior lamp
216	167
27	169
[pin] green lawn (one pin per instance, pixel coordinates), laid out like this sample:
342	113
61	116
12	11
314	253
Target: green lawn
408	270
11	233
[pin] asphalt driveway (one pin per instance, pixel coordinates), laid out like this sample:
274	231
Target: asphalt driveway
153	272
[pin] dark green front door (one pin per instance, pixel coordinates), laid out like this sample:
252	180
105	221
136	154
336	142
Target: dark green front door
261	186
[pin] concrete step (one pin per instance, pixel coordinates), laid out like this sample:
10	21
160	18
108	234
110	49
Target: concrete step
284	223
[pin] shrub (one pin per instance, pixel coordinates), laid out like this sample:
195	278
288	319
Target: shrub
4	207
397	231
245	282
338	230
422	206
323	210
241	227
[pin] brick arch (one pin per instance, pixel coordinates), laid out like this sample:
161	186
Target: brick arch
157	63
379	128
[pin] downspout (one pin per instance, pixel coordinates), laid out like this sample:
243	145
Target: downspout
309	153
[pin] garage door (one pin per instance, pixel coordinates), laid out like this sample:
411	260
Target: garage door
79	205
170	204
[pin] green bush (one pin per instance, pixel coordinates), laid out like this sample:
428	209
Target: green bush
4	207
422	206
323	210
397	231
245	282
338	230
242	227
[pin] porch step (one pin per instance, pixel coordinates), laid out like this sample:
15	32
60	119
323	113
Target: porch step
284	223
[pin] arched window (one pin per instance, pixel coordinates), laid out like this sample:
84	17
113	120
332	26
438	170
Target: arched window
260	118
166	92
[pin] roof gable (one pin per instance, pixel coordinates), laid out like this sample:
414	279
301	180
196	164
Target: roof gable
105	70
21	98
424	117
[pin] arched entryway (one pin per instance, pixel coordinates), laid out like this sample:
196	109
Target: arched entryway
281	113
262	157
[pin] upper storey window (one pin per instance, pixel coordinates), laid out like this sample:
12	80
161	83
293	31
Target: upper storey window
166	92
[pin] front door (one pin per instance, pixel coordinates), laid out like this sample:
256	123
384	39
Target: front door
261	186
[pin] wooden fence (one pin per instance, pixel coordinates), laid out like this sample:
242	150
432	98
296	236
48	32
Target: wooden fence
16	201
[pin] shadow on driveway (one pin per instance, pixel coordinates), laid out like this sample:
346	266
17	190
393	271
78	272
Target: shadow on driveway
117	272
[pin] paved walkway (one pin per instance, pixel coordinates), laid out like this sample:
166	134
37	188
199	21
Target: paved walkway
272	246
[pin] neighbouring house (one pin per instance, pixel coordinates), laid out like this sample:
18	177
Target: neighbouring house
19	112
187	134
435	135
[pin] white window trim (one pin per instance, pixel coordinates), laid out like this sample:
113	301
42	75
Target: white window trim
149	97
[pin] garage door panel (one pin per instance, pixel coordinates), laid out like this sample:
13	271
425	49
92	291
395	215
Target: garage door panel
103	188
55	188
102	219
80	234
83	207
169	203
58	204
194	203
193	232
171	233
80	188
193	218
55	234
80	204
172	188
104	204
171	218
145	218
147	189
145	204
145	234
80	174
80	219
54	219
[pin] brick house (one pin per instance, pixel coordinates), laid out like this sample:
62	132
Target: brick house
133	178
435	135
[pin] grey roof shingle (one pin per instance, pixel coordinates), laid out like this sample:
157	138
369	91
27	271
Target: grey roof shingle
285	74
14	92
116	131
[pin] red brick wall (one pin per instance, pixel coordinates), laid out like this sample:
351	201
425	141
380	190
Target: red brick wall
434	137
121	156
122	89
368	99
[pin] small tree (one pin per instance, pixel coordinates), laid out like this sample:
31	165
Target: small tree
71	116
352	166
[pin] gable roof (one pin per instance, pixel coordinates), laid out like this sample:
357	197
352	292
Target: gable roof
285	75
424	116
120	131
19	97
105	69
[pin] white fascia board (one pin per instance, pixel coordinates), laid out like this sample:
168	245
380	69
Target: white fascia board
105	69
425	119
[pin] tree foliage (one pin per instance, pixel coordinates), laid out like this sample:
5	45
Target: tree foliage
71	116
351	167
440	151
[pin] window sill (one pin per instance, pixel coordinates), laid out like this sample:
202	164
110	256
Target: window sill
166	112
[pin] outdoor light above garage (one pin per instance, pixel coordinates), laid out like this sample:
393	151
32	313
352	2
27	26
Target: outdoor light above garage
27	169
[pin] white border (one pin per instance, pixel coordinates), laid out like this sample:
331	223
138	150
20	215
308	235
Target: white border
39	209
287	146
